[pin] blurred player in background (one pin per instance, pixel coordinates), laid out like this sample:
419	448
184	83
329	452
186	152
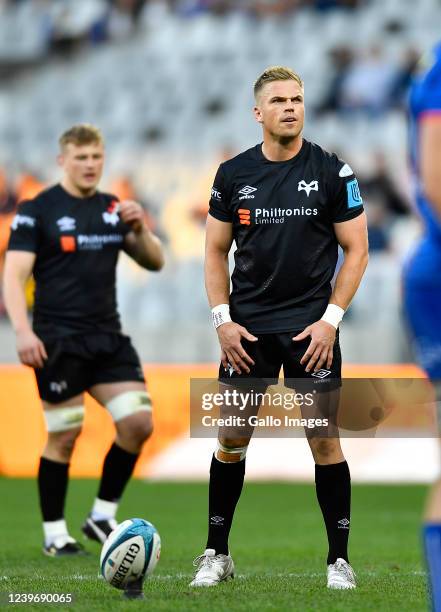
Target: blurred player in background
288	204
69	237
422	273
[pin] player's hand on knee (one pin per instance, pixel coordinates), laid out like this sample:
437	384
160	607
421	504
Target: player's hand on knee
321	348
31	349
230	336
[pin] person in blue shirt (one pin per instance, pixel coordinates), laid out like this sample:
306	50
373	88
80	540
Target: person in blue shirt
422	272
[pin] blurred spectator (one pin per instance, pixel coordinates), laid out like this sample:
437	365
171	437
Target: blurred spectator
122	17
377	227
380	187
400	85
8	199
28	186
367	84
265	8
124	189
383	203
202	191
8	204
71	23
325	5
341	60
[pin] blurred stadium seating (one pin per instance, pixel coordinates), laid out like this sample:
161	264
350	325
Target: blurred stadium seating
170	85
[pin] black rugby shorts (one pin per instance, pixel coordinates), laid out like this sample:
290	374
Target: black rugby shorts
272	351
76	363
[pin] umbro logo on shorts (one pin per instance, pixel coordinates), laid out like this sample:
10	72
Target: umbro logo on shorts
321	373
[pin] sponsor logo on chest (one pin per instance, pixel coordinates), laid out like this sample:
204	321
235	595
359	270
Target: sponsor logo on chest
274	215
89	242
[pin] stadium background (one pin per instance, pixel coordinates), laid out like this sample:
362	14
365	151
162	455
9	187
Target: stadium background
169	82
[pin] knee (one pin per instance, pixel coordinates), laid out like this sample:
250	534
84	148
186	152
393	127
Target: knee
231	450
134	430
60	444
325	450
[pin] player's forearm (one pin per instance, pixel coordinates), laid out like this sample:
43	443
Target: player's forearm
148	251
15	301
349	278
217	278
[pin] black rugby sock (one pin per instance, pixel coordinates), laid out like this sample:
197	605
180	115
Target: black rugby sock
333	487
117	468
226	482
52	488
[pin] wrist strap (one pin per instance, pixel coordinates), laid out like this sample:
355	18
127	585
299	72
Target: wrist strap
220	314
333	315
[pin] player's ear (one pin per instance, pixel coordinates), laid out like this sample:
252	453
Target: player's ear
60	160
257	114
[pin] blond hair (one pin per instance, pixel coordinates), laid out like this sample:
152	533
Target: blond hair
81	134
276	73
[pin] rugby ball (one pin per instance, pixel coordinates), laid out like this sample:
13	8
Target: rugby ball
130	552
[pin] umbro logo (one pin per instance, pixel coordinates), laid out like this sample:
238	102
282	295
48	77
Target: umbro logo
343	523
66	224
217	520
321	373
246	192
308	187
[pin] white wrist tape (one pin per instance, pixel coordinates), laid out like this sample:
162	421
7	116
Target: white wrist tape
220	314
333	315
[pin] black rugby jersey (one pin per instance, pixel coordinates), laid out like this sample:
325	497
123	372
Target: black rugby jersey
76	241
282	215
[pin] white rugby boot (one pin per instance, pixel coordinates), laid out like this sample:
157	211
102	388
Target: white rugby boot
341	575
212	569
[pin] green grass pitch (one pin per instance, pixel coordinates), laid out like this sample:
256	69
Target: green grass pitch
277	542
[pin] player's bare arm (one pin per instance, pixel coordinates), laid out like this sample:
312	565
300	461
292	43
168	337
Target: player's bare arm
352	237
430	159
18	268
219	237
141	244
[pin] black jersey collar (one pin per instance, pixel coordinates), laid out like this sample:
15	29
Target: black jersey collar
293	160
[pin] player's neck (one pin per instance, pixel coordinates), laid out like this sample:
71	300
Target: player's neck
281	150
75	191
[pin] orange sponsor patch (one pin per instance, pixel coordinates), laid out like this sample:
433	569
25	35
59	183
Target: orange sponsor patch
244	216
68	244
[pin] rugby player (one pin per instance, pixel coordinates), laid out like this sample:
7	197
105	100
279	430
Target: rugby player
421	275
287	204
69	238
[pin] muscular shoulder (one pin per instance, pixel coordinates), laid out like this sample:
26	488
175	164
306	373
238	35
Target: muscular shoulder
331	166
244	159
